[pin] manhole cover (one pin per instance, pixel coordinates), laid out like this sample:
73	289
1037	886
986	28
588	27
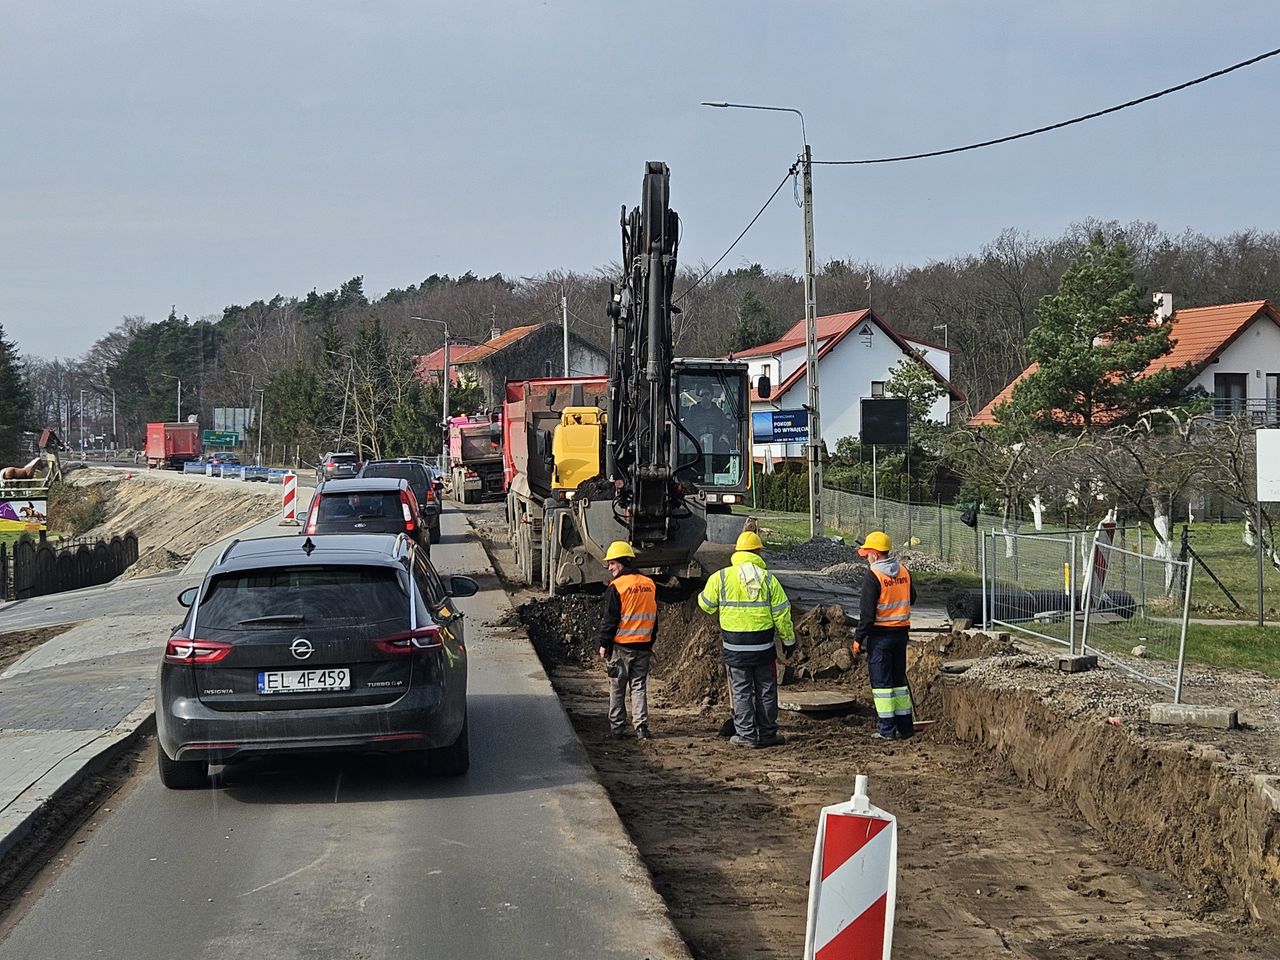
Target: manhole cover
816	701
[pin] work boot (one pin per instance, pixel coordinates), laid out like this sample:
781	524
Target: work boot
884	736
776	740
738	741
642	732
617	733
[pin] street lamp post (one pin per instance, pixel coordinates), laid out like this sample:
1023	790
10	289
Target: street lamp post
810	318
444	401
262	399
82	422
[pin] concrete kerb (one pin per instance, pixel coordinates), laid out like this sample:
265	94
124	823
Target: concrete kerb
70	772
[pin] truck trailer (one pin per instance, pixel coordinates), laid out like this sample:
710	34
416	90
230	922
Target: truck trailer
475	457
172	444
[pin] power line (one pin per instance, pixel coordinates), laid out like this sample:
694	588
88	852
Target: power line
1058	126
776	190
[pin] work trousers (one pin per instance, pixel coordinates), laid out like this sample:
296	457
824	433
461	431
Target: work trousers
755	700
632	668
887	664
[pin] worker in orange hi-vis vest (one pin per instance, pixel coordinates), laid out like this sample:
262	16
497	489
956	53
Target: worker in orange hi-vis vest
627	632
884	621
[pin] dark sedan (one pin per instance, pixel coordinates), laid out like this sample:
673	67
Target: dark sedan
315	644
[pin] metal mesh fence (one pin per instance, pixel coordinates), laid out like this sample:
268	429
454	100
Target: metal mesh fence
935	529
1136	610
1029	585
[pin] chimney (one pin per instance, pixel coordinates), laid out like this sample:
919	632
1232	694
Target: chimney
1163	306
495	332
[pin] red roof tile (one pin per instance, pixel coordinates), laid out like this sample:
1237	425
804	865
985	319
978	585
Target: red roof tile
1199	334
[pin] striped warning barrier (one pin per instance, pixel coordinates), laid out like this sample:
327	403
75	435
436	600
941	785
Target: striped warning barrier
290	509
853	887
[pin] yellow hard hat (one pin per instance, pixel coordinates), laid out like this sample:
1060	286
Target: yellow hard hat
749	540
618	550
877	540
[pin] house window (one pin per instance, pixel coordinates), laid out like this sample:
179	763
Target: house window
1229	393
877	388
1273	398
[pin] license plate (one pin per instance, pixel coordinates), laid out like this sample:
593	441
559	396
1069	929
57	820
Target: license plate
304	681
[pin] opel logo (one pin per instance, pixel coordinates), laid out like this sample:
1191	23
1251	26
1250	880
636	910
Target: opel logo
301	648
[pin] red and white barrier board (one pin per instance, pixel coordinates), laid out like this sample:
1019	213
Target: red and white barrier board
289	512
854	884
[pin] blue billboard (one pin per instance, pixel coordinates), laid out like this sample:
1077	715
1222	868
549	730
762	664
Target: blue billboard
780	426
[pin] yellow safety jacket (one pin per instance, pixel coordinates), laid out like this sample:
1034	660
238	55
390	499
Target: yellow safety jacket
750	604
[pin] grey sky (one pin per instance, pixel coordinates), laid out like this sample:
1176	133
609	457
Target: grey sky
207	153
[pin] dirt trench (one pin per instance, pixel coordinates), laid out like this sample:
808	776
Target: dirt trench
1033	821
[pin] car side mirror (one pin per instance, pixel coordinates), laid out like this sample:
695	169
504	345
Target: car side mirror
763	386
188	596
302	516
463	587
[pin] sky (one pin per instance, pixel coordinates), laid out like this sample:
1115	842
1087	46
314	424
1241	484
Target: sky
199	154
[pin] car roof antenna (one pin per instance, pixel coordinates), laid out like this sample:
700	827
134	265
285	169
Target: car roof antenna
308	546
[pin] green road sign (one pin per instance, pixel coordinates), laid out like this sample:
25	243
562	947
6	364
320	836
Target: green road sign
220	438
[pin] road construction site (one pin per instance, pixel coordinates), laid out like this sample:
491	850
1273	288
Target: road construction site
1041	814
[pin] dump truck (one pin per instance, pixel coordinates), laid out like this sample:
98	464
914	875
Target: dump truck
475	457
172	444
648	454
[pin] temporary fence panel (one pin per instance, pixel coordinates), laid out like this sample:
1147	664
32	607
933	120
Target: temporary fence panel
1136	614
1030	585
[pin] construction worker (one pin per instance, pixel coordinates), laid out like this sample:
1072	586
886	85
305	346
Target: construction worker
751	607
884	619
627	632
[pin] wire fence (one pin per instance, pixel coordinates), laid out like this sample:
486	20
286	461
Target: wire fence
1030	585
1136	614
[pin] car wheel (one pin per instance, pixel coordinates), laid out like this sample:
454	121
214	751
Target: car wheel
181	774
435	533
455	759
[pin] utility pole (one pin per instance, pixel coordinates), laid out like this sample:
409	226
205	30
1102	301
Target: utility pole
82	421
444	388
262	399
816	526
564	315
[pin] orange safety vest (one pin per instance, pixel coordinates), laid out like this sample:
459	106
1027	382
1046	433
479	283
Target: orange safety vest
639	608
894	606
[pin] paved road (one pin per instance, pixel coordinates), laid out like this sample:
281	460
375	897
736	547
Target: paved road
351	858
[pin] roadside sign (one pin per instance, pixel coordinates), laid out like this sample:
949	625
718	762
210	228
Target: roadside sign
780	426
220	438
1268	465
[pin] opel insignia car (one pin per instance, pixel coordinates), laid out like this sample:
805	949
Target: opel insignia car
350	642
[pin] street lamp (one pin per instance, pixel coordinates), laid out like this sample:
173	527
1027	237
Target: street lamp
810	318
262	399
81	421
169	376
444	432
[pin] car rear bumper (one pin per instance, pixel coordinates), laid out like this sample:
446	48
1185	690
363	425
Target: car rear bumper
420	720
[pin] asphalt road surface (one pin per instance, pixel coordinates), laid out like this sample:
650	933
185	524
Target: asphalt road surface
345	858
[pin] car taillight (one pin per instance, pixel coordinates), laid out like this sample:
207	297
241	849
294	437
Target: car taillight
184	650
431	493
329	464
408	510
313	515
411	641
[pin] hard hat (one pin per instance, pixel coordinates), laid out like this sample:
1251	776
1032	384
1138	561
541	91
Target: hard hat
619	550
877	540
749	540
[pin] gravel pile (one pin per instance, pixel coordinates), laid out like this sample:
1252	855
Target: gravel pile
845	572
924	562
821	552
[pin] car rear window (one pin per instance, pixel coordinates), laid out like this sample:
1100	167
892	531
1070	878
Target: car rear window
404	471
328	594
342	458
360	506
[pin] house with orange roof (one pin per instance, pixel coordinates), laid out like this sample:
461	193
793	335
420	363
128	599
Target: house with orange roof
857	352
1231	350
521	353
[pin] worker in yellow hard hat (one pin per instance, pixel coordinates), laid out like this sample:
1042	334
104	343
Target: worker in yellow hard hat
751	607
884	621
627	632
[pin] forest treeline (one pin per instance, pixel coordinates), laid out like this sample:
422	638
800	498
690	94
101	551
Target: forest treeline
301	357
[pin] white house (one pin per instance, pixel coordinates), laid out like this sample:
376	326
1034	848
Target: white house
1232	350
857	353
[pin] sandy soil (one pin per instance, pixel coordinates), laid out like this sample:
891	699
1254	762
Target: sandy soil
174	515
14	645
1040	817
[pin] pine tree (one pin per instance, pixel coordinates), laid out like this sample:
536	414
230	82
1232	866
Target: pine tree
1094	340
15	401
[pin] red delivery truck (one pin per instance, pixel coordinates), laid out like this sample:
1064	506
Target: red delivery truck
172	444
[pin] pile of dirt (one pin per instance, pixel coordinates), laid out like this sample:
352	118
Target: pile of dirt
172	514
820	552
